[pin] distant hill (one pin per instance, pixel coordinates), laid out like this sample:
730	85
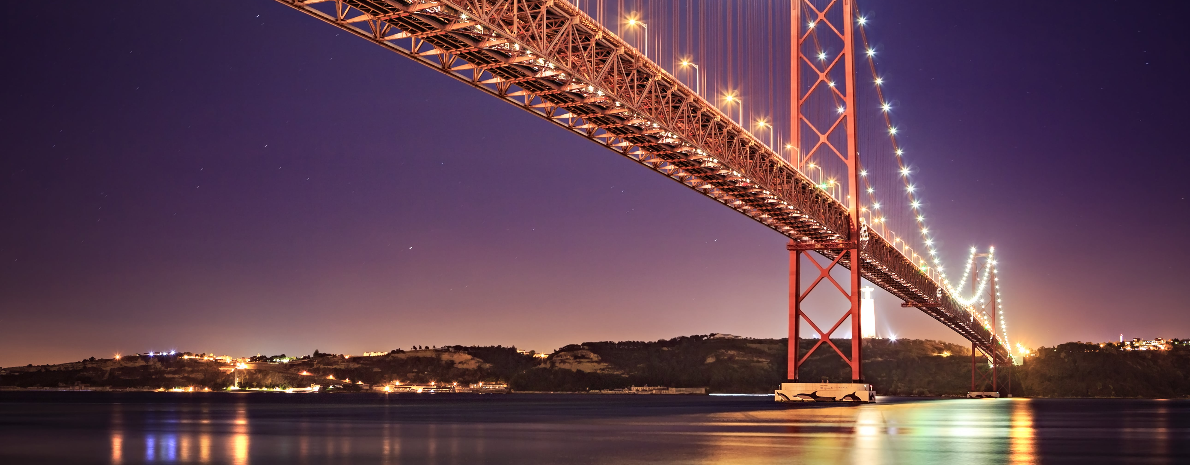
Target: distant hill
722	364
1079	369
904	367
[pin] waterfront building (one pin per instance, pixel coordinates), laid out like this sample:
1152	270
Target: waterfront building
867	313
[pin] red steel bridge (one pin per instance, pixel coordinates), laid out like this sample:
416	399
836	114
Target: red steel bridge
561	61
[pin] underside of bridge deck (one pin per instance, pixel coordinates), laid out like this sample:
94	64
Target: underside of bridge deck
549	58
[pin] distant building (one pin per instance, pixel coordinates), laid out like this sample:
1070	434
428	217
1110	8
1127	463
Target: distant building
431	388
1154	344
652	390
532	353
375	354
867	313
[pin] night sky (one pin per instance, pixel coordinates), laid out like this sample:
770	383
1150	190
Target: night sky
237	177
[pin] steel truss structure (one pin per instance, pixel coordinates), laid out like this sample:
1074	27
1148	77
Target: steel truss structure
551	59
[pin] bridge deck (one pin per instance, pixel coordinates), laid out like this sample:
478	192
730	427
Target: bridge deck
551	59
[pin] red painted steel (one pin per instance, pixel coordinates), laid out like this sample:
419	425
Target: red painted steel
850	157
794	73
992	291
795	312
991	377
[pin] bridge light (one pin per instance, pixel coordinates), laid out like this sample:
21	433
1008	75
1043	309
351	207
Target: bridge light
876	206
863	172
879	81
905	171
892	130
871	190
900	152
822	57
862	20
885	107
811	25
910	188
840	108
871	52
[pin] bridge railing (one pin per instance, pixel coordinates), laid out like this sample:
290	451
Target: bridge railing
550	58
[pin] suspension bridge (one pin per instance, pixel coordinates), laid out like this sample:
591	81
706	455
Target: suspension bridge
764	107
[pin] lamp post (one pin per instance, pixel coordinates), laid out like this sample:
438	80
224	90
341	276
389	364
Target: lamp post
812	165
762	124
731	98
633	22
795	157
697	87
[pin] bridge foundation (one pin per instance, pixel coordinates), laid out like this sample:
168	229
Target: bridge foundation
825	392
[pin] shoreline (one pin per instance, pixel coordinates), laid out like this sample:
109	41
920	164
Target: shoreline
12	389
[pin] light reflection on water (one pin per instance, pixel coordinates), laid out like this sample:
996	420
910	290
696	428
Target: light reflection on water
117	435
590	430
1021	433
239	436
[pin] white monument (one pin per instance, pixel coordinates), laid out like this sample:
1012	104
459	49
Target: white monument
867	313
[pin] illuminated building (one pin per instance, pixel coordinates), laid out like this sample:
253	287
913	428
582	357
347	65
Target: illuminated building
867	313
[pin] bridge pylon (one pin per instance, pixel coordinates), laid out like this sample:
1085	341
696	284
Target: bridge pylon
991	376
808	83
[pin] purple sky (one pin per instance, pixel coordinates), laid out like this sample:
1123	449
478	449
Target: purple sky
237	177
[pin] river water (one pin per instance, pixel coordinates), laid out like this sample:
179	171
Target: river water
277	428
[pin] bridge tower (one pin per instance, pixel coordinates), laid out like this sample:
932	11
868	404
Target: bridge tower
822	40
990	308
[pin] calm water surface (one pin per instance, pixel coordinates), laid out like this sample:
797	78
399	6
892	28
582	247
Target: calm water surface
257	428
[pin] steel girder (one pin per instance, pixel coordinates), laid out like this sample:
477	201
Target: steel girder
551	59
